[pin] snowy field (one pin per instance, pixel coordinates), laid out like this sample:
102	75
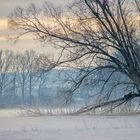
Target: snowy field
14	127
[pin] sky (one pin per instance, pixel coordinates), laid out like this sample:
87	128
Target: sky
6	7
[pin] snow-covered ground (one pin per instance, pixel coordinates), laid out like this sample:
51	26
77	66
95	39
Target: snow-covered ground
68	127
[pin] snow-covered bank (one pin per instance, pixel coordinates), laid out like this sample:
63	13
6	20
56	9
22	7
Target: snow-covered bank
69	127
9	113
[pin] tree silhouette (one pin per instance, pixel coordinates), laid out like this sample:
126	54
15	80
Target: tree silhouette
93	35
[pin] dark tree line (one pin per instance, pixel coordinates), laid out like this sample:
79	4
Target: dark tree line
20	76
25	82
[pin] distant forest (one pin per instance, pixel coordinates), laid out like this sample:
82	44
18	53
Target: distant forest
24	82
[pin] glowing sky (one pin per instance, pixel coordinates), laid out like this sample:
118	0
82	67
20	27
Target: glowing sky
6	7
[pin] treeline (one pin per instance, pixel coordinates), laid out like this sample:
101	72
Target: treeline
21	75
24	81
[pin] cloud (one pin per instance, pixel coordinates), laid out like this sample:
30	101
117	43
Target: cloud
26	42
3	23
7	6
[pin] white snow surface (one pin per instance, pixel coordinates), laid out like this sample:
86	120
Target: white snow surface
14	127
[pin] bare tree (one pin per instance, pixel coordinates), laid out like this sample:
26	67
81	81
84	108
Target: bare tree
5	68
97	35
21	62
31	71
15	68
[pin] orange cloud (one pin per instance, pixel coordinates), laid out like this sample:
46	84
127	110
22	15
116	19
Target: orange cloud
3	23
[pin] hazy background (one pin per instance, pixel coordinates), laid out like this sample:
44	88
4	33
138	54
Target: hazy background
6	7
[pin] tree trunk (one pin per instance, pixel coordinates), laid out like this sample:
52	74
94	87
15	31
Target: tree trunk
23	94
1	92
136	79
30	90
14	88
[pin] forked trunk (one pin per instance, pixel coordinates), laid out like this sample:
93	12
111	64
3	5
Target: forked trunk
136	80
